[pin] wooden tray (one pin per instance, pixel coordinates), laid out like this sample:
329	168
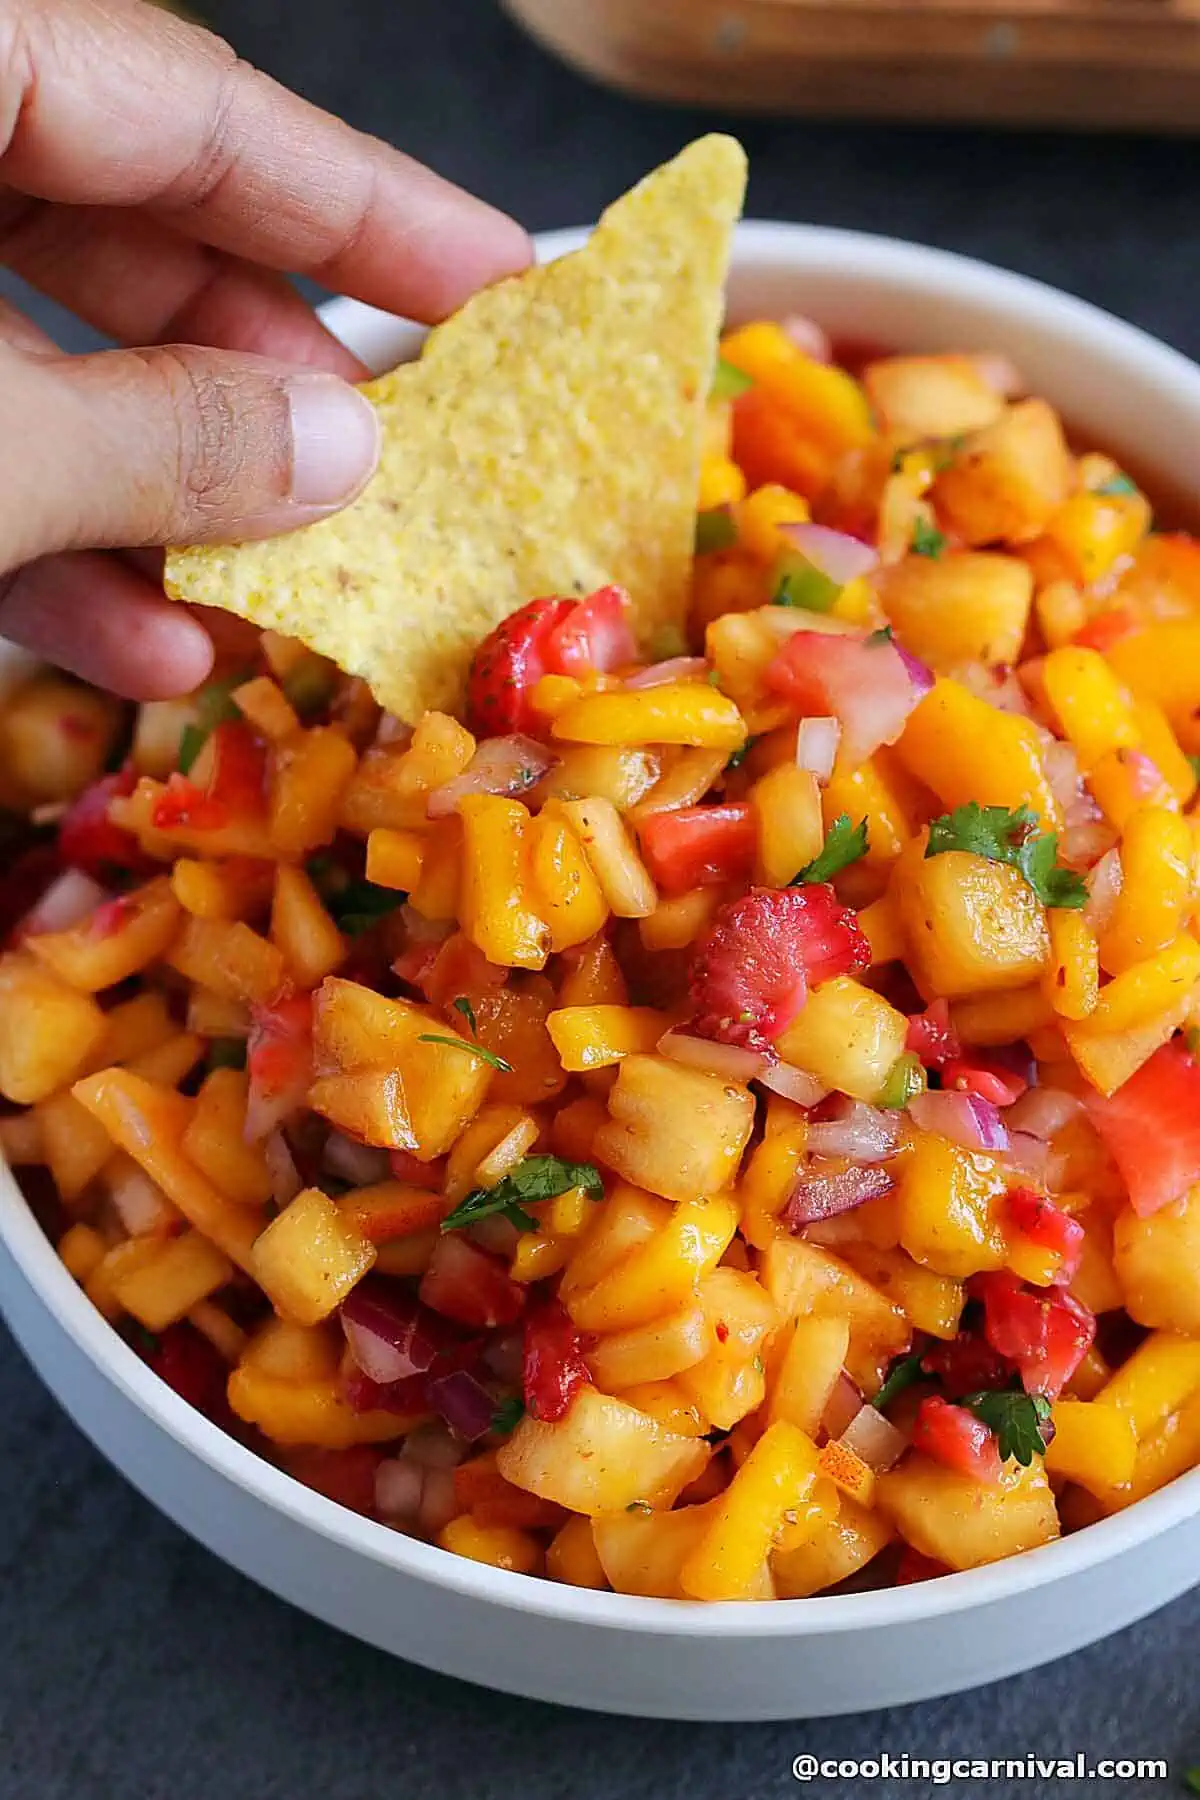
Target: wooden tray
1106	63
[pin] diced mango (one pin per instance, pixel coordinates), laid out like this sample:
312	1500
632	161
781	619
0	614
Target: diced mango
395	858
1093	1444
845	1538
673	1129
1153	1384
184	1271
787	811
971	925
114	942
1145	991
1092	707
963	1523
215	1140
603	1456
774	1482
228	958
951	1216
572	1557
847	1035
803	1279
690	712
496	904
960	607
931	396
1009	478
965	749
312	1412
642	1552
1071	981
1157	1264
1156	888
598	1037
655	1277
48	1030
565	891
611	854
311	943
309	1257
652	1352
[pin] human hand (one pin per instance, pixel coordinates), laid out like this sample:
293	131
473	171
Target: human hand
156	186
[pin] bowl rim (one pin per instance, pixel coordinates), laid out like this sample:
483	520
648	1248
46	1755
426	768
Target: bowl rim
859	255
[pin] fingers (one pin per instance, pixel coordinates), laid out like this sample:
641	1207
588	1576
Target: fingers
138	281
171	445
99	618
228	156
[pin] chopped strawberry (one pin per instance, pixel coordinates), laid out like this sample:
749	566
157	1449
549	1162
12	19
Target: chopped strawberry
985	1079
87	837
699	846
508	664
1044	1332
915	1567
464	1283
408	1395
955	1437
966	1364
593	637
239	768
347	1476
751	971
932	1037
863	681
1151	1128
183	803
188	1363
1047	1226
1104	630
552	1369
278	1062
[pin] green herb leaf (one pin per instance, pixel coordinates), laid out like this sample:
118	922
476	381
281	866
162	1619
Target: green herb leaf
927	540
479	1050
739	756
798	582
882	636
901	1375
1117	484
728	382
906	1077
1012	838
309	686
463	1005
191	742
714	678
358	905
639	1506
1016	1418
537	1178
1195	762
715	530
227	1053
844	844
508	1415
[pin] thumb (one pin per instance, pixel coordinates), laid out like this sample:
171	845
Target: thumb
171	445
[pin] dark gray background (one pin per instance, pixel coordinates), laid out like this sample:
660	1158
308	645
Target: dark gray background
138	1668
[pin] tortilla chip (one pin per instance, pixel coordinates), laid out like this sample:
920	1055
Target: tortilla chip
546	442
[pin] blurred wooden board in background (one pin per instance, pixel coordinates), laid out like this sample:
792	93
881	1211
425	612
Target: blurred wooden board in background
1080	63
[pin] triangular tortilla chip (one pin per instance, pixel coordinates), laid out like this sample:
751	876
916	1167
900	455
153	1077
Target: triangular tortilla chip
546	442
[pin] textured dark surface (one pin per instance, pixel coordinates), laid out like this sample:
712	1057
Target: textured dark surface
135	1667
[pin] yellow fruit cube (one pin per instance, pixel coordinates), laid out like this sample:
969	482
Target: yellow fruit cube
228	958
1092	707
847	1471
961	607
673	1129
314	1413
962	1522
642	1552
81	1250
964	749
48	1030
846	1537
215	890
603	1456
620	1224
933	1302
657	1276
803	1279
871	792
309	1257
951	1202
1093	1444
73	1145
497	903
1157	1264
971	925
1009	478
500	1546
1071	982
291	1352
847	1035
564	890
930	396
572	1558
791	831
184	1271
1145	991
395	858
309	777
774	1482
1156	888
301	928
215	1140
598	1037
814	1351
653	1352
114	942
1156	1382
611	854
609	772
679	712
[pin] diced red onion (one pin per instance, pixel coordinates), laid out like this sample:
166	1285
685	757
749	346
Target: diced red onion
1042	1111
360	1164
863	1133
820	1194
434	1446
503	1357
1104	886
399	1485
963	1118
919	673
139	1202
999	372
844	1404
438	1502
809	337
1144	773
392	731
791	1083
839	557
676	668
501	765
1030	1154
71	896
281	1165
874	1438
817	746
419	930
727	1061
391	1336
1062	773
464	1403
1084	844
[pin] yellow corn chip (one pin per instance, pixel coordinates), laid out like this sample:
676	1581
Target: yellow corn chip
546	442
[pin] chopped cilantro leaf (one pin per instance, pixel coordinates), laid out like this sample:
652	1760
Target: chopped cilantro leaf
457	1043
927	540
739	756
715	530
359	905
906	1077
215	705
1018	1420
191	742
728	382
508	1415
537	1178
1120	483
882	636
1012	838
1195	762
463	1005
844	844
714	678
798	582
901	1375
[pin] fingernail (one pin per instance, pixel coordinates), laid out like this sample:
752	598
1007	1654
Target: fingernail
335	440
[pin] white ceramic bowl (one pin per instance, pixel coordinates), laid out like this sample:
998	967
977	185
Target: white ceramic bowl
795	1658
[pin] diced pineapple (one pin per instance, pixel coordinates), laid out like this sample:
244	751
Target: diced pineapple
1008	479
806	1371
74	1145
621	1224
1157	1264
621	776
972	926
215	1140
48	1031
769	1489
673	1129
787	811
847	1035
933	1301
652	1352
801	1278
310	1412
730	1381
115	941
440	1085
930	396
643	1552
301	928
184	1271
597	1037
951	1207
369	1104
309	1257
310	775
962	1522
845	1539
660	1275
603	1456
961	607
290	1352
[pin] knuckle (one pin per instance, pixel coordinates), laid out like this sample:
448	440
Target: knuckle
232	437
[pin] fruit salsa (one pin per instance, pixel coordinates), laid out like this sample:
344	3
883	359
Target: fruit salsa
718	1127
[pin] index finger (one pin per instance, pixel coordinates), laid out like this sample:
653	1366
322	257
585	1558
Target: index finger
105	103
